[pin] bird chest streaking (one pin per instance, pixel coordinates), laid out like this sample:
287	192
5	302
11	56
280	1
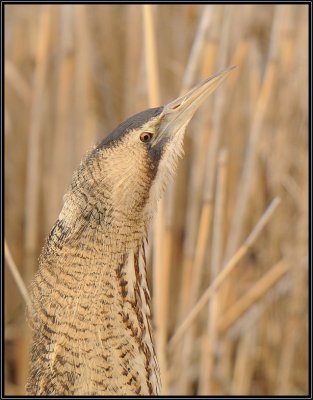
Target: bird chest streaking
90	302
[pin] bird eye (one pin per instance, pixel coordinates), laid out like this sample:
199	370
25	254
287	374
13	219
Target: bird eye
146	137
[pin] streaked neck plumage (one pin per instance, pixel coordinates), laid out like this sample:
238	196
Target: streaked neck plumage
90	296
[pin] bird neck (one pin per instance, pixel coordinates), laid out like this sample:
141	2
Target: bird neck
91	304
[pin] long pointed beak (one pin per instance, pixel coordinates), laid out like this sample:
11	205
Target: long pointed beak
178	113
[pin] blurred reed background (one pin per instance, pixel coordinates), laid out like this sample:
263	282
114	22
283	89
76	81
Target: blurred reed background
72	73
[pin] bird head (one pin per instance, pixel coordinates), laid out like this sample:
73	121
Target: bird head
131	166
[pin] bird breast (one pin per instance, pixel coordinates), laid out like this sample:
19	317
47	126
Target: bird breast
91	317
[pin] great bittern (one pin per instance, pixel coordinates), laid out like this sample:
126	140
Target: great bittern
90	309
